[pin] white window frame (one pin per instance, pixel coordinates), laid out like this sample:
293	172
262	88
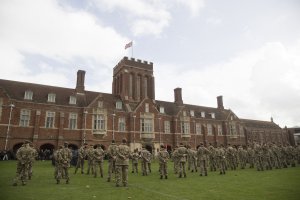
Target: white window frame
72	100
99	122
146	107
100	104
122	124
146	125
202	114
24	117
242	133
161	109
28	95
73	121
209	129
119	105
192	113
198	129
220	130
213	115
167	126
185	127
51	97
50	119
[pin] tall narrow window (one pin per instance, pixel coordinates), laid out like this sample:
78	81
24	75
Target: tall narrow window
220	131
198	129
73	121
192	113
167	126
161	109
209	129
24	117
50	116
146	125
203	114
119	105
100	104
242	134
1	104
51	97
232	129
122	124
146	107
99	122
72	100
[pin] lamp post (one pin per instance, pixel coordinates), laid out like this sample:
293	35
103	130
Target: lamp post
84	132
134	131
113	128
159	130
195	134
6	140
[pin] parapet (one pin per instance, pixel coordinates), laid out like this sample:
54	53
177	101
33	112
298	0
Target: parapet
132	62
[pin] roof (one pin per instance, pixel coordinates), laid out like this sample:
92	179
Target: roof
259	124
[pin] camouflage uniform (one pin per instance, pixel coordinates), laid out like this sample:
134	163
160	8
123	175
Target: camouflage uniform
34	154
251	156
98	160
202	155
182	155
163	157
111	152
81	157
298	153
145	160
221	157
259	157
212	158
267	157
175	159
90	157
230	155
122	162
24	156
242	155
291	155
193	158
64	157
149	161
135	161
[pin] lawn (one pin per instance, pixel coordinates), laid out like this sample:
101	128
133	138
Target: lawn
283	184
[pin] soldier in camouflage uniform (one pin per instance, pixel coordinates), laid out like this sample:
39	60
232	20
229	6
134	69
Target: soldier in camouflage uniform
135	161
202	156
182	156
230	155
64	157
24	156
193	158
267	157
175	159
81	157
283	156
212	158
90	157
298	153
163	157
276	152
251	156
112	153
145	160
291	155
56	163
242	155
34	154
98	161
221	157
259	157
122	162
149	161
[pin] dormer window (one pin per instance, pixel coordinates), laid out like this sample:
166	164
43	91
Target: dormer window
72	100
202	114
184	113
100	104
161	109
28	95
192	113
51	97
119	105
213	116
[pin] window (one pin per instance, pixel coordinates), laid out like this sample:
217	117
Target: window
146	107
185	127
50	116
51	97
122	124
202	114
209	129
167	126
213	116
100	104
146	125
220	130
232	129
99	122
119	105
184	113
72	100
242	133
146	87
28	95
161	109
24	117
198	129
73	121
192	113
1	104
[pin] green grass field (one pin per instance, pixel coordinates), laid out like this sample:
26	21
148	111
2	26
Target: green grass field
283	184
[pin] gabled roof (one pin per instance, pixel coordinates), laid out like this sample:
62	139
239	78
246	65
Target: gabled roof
259	124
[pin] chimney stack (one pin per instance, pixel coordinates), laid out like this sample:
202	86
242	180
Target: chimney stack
80	81
220	102
178	96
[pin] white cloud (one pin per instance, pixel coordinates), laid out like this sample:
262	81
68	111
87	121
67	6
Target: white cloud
255	84
44	28
193	5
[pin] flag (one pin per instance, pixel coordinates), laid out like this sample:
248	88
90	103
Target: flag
128	45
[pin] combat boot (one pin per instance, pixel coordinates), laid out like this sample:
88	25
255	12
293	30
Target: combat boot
108	179
57	181
166	177
161	177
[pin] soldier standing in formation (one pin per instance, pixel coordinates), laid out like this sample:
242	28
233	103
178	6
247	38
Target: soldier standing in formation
221	157
202	155
135	161
145	160
112	153
182	156
98	160
122	162
34	156
64	156
81	157
163	157
90	157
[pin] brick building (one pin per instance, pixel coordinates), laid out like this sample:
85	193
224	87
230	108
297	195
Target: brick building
49	115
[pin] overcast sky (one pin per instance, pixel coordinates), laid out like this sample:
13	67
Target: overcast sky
248	51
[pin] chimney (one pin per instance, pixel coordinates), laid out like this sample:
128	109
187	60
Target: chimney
220	102
80	81
178	96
